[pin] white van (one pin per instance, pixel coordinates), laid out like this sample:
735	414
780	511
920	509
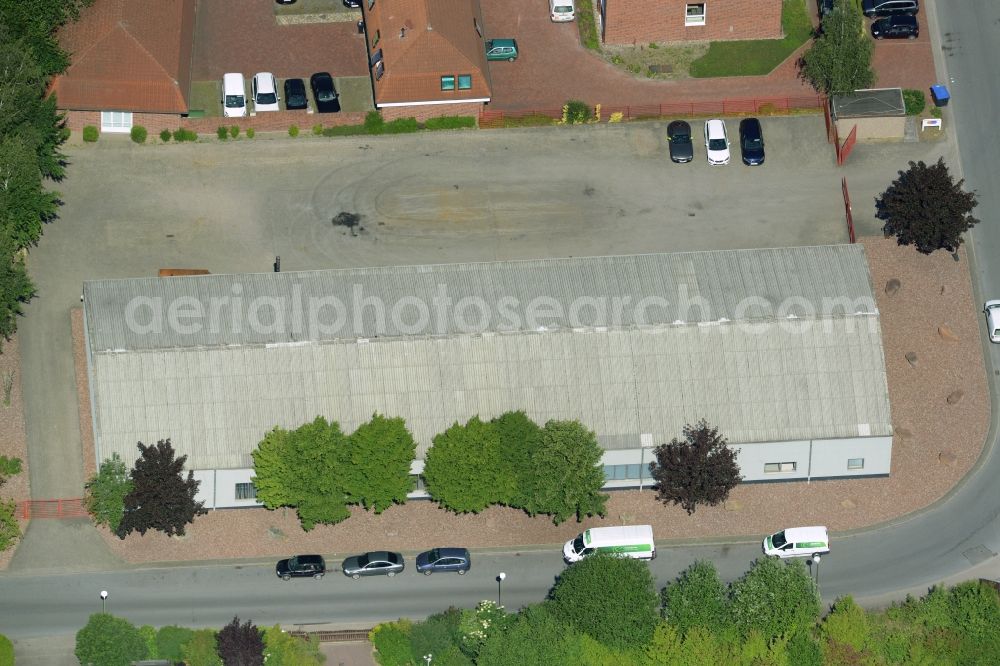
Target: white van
561	10
234	99
797	542
634	541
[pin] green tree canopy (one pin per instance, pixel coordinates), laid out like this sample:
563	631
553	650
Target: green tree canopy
464	470
160	497
36	21
519	437
697	598
774	598
284	649
567	475
376	466
840	60
609	598
107	640
538	636
300	469
926	208
701	469
201	649
105	492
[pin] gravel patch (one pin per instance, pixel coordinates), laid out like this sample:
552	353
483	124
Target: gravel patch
936	444
13	441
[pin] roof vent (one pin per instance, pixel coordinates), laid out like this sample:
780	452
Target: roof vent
402	32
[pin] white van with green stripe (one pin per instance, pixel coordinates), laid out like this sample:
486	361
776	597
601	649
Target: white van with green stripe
798	542
634	541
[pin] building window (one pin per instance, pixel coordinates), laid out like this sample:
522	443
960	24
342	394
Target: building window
246	491
116	121
378	36
694	13
855	463
779	467
464	81
448	82
621	472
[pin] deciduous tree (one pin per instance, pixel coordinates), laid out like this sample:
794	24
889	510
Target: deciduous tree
464	470
926	208
284	649
300	469
774	598
376	464
567	475
840	60
696	599
106	491
107	640
701	469
241	644
519	437
160	497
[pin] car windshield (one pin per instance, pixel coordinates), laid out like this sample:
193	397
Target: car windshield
267	98
578	544
778	540
363	561
293	563
716	144
234	101
434	555
751	143
564	9
681	137
326	96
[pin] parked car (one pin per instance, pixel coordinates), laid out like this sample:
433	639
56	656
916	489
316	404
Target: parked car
901	26
561	10
873	8
824	7
992	311
716	141
751	142
301	566
325	93
234	100
679	138
377	563
444	559
264	91
353	4
295	94
797	542
502	49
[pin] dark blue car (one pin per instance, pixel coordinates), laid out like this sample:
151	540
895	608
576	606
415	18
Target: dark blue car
751	142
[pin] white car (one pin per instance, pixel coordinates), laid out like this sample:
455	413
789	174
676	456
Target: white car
234	96
264	91
716	141
992	310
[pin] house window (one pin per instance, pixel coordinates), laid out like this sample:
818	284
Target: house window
694	13
448	82
116	121
378	36
379	70
855	463
621	472
779	467
464	81
246	491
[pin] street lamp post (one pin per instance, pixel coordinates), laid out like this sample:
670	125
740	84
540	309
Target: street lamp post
816	559
500	579
104	601
427	658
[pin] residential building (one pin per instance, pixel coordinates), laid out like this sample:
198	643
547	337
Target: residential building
646	21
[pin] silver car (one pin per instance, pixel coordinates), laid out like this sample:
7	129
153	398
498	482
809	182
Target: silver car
376	563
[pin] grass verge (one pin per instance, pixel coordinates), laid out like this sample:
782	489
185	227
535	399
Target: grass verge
587	25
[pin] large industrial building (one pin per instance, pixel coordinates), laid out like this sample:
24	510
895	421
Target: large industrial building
781	349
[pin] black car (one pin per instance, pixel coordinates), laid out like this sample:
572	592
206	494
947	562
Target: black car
301	566
295	94
903	26
352	3
324	92
751	142
873	8
679	138
444	559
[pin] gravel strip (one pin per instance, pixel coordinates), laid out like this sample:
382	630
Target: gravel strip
936	444
13	441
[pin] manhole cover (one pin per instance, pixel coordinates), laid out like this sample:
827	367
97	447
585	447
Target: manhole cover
978	554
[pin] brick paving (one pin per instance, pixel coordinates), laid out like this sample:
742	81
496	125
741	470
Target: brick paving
906	63
243	36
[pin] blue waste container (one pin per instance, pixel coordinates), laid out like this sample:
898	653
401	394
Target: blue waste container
940	95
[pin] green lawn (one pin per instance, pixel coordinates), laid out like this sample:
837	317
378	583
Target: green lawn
752	58
205	96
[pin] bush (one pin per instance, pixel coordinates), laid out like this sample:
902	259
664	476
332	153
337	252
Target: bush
170	642
139	134
450	122
184	134
9	466
576	112
222	133
234	131
90	134
374	123
914	101
148	634
400	126
6	651
317	129
936	111
439	635
293	131
251	133
10	531
392	643
165	135
110	641
106	491
281	648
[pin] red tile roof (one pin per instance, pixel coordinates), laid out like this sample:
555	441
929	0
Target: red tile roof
421	40
128	55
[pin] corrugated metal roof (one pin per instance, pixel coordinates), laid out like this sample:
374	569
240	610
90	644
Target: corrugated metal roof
759	378
273	308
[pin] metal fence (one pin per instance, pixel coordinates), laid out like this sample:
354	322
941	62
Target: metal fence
335	636
54	508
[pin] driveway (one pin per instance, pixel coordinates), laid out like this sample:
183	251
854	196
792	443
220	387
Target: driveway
243	36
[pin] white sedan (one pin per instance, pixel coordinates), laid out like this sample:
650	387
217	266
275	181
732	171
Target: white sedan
716	142
992	310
